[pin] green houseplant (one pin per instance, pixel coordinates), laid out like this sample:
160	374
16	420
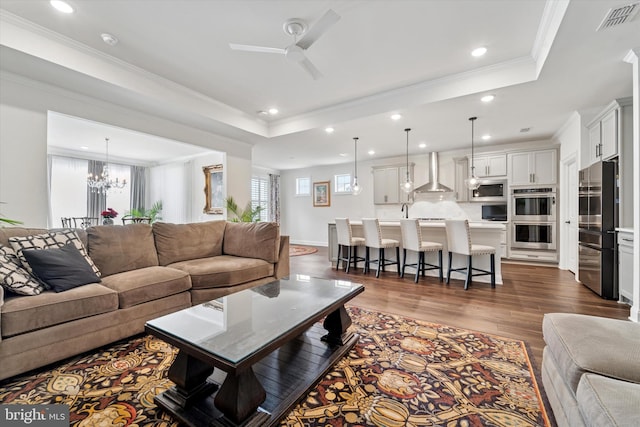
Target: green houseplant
248	214
8	221
155	212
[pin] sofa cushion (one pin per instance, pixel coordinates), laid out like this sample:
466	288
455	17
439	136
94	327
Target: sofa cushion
8	232
115	249
223	270
604	346
13	277
607	402
147	284
21	314
54	239
60	269
180	242
252	240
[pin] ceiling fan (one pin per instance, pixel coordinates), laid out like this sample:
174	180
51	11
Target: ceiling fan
296	51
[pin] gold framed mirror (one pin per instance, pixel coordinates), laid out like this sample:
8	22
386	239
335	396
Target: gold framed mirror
213	189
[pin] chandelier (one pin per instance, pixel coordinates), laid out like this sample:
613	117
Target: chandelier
472	182
103	183
407	186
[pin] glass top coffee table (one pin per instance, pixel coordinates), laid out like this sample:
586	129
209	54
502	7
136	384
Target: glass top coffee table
266	344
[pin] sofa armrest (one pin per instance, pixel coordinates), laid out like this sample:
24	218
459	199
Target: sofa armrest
281	267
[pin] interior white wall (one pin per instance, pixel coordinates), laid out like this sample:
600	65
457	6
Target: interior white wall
23	141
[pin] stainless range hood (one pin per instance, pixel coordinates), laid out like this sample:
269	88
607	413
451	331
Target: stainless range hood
433	186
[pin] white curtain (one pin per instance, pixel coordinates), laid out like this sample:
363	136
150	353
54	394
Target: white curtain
68	189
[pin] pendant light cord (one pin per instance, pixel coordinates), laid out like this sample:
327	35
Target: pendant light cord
355	156
407	130
473	119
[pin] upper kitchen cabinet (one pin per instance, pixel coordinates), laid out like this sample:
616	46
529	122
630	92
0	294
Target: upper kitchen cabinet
607	131
533	167
386	184
490	165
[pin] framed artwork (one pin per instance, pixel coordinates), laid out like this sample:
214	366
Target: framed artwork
213	189
321	194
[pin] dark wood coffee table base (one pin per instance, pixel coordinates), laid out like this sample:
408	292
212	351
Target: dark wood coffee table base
286	375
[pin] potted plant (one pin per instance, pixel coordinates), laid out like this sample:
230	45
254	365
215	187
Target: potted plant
154	214
4	220
249	214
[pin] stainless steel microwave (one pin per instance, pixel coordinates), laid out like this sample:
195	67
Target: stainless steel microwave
490	190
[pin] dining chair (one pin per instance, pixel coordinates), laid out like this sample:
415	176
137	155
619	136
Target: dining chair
348	243
373	239
66	222
459	242
84	222
412	241
127	219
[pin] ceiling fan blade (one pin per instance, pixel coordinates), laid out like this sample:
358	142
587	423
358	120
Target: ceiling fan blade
310	68
318	29
260	49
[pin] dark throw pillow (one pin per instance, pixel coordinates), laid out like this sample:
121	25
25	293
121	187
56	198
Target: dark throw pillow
61	269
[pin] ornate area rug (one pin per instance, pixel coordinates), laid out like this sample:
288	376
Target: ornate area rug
403	372
297	250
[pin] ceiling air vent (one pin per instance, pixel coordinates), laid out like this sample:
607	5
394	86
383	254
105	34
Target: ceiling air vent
619	15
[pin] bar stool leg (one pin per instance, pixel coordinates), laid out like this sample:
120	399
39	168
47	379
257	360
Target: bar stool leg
338	261
398	259
380	262
493	270
440	264
404	261
348	259
419	266
366	260
469	273
449	270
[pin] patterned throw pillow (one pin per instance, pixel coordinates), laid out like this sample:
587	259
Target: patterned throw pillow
13	277
55	239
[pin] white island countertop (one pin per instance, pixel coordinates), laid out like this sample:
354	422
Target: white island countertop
490	233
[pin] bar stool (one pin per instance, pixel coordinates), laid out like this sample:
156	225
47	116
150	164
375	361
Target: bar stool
412	241
459	242
347	241
373	239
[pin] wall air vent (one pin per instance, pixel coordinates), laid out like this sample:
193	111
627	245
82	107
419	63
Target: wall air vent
619	15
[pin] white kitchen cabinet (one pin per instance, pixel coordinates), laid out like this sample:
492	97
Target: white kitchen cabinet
386	184
533	167
606	130
490	165
625	266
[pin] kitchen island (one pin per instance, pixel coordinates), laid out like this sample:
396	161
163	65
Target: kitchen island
483	233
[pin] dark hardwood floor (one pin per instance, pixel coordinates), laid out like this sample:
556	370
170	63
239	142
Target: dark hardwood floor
514	309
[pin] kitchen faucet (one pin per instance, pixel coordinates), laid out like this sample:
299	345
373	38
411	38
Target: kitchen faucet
405	209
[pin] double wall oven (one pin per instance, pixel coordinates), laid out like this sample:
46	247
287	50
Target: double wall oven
533	215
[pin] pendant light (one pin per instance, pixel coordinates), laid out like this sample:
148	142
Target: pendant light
355	188
407	186
472	182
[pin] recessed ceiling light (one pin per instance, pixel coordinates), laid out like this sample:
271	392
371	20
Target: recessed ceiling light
61	6
422	145
487	98
329	130
109	39
486	137
479	51
273	111
371	152
84	147
343	154
396	117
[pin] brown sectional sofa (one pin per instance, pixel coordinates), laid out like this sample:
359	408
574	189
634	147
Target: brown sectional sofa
146	272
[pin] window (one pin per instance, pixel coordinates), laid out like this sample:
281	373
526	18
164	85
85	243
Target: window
303	186
343	183
260	196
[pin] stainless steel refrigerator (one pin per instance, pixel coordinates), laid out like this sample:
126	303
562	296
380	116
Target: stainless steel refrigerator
597	220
